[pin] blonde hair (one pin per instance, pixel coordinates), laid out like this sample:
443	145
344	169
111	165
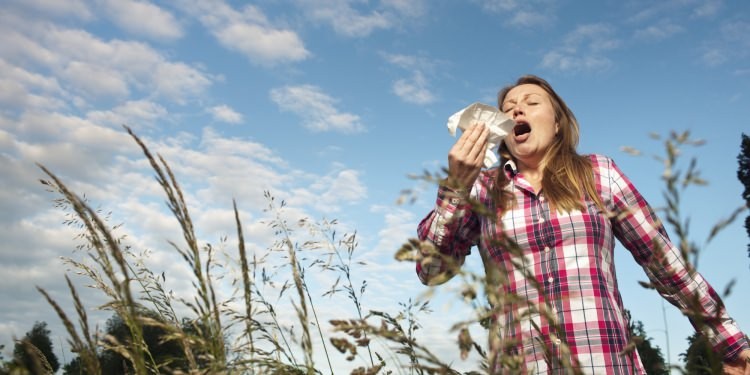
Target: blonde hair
567	177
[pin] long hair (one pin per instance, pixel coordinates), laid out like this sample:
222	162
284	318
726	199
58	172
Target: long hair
567	177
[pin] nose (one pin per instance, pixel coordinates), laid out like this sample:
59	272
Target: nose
517	110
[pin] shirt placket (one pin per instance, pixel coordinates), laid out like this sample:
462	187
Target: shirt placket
548	265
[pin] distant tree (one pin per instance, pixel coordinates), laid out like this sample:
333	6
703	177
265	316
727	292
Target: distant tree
165	352
743	174
651	357
74	367
3	365
700	357
34	349
168	354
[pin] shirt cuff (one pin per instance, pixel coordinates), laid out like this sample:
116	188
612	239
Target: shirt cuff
734	346
450	199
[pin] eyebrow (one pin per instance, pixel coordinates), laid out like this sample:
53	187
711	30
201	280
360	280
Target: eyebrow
524	97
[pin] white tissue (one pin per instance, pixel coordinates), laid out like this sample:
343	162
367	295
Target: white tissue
498	123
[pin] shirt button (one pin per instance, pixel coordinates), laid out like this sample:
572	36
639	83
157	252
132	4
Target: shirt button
546	249
455	201
557	341
541	220
551	279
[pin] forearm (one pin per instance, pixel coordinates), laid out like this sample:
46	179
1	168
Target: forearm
446	235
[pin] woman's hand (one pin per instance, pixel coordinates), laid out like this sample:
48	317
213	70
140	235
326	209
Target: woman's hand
740	366
466	157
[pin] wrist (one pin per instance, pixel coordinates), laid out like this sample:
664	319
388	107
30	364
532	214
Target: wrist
454	195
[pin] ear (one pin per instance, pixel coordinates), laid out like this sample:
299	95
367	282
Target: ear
557	127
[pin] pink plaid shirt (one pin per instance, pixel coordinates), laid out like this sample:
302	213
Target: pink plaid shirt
571	257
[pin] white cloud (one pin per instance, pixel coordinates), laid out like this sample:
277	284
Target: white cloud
596	37
583	49
409	8
333	190
659	31
708	8
414	90
329	193
405	61
95	69
347	21
737	32
133	113
524	18
356	19
21	49
262	44
568	62
179	81
143	18
31	80
677	9
248	32
58	8
316	109
238	147
20	88
95	80
69	145
399	225
652	9
521	13
226	114
732	43
500	5
714	57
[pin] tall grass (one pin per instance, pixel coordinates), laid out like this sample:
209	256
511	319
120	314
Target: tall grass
222	336
245	333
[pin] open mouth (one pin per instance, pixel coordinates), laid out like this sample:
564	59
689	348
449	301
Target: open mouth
521	128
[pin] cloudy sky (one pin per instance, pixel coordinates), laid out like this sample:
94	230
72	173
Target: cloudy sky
330	105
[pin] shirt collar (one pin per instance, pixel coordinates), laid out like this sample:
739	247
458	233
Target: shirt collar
510	168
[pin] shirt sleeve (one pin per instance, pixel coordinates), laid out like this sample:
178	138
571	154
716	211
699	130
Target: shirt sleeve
638	228
452	228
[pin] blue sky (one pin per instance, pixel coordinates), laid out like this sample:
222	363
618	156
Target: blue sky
331	105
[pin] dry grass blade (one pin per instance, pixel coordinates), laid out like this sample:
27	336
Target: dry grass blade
107	246
86	353
206	301
39	363
246	281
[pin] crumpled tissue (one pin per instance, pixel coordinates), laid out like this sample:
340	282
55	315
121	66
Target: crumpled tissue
498	123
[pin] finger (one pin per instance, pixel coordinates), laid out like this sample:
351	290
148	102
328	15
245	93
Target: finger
463	139
479	147
470	136
461	150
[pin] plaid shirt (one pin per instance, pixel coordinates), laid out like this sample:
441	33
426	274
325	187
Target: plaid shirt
570	255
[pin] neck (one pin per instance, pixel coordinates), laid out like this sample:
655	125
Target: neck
532	173
530	169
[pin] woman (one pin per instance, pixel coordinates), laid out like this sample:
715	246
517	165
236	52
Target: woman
545	223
